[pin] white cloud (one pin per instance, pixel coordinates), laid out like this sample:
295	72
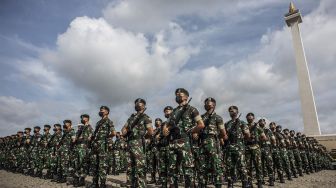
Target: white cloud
15	114
117	65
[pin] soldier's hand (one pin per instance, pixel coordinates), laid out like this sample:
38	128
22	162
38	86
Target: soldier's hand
157	137
195	136
165	131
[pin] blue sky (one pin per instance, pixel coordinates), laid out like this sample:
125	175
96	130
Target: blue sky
59	59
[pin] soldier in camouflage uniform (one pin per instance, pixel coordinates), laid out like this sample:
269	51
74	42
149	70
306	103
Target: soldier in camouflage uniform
83	136
117	149
137	127
27	145
52	145
20	152
278	165
280	137
236	130
153	152
104	132
253	152
296	152
65	145
266	152
162	144
210	159
44	151
290	147
184	122
34	150
302	150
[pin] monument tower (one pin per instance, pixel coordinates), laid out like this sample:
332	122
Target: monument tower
310	119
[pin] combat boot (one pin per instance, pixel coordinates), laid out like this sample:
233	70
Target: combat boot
289	177
230	183
75	181
81	182
245	184
281	178
259	183
102	184
94	183
218	186
271	181
152	181
300	173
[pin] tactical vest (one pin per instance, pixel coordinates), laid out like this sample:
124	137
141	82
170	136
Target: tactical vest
254	135
186	122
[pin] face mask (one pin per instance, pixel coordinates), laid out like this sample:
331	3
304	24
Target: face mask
101	114
178	99
166	115
55	129
82	121
35	131
233	114
137	108
207	107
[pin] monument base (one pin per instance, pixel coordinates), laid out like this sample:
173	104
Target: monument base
328	140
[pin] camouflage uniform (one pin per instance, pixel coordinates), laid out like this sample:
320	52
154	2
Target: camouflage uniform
290	153
253	152
235	156
35	152
44	153
101	138
162	144
180	147
302	150
135	149
296	153
283	153
53	143
210	157
64	154
266	155
83	137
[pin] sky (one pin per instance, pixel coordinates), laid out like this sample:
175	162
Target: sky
62	58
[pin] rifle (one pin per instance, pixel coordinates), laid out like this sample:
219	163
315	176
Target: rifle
95	133
173	121
135	121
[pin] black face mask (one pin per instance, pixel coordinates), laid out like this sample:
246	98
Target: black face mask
178	99
207	107
137	108
167	115
82	121
101	114
35	132
55	129
232	115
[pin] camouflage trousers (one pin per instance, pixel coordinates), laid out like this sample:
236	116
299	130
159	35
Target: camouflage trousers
63	161
34	158
163	165
267	161
285	161
210	162
291	160
235	159
53	161
80	158
100	165
197	163
43	159
298	161
180	155
136	161
116	160
277	163
253	158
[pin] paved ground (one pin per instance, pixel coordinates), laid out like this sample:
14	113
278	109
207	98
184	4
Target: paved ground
326	178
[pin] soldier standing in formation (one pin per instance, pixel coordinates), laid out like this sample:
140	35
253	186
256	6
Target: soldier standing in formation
201	148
